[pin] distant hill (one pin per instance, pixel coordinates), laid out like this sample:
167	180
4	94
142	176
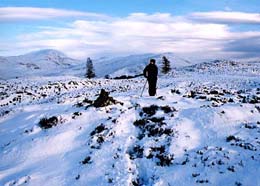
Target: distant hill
40	63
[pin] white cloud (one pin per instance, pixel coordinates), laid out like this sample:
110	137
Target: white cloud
136	33
141	33
227	17
8	14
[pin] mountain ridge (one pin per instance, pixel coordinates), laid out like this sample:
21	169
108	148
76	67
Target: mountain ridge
50	62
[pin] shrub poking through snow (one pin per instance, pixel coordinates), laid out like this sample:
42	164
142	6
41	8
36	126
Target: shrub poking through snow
164	159
98	129
136	152
241	143
157	120
153	128
76	114
140	122
231	137
195	175
150	111
99	135
86	100
191	94
167	109
175	91
202	181
46	123
257	108
87	160
160	155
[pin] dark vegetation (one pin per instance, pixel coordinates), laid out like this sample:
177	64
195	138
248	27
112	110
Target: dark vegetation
154	128
166	65
126	77
90	72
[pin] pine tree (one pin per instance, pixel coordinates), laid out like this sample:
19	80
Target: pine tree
89	69
166	65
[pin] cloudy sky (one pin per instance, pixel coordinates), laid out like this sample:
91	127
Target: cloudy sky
81	28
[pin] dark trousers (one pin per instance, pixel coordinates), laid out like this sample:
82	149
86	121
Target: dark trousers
152	86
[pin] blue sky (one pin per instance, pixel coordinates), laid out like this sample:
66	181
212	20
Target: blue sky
125	7
82	28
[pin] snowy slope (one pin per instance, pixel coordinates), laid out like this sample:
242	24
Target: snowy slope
134	64
201	129
40	63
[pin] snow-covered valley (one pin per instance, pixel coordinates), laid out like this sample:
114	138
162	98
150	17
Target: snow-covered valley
202	128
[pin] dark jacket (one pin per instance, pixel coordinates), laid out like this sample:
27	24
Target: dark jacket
151	72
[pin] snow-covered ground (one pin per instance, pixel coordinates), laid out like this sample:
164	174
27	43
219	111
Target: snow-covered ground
202	128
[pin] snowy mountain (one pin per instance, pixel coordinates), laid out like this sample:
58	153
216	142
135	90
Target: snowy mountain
202	128
40	63
54	63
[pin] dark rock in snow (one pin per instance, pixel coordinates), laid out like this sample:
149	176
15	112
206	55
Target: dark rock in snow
46	123
104	100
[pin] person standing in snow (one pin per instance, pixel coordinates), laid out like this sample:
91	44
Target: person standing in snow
151	72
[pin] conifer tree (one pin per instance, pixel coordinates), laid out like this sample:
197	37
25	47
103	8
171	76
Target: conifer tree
90	73
166	65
